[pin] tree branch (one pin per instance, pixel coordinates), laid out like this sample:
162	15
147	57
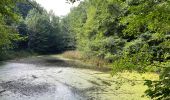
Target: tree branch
34	6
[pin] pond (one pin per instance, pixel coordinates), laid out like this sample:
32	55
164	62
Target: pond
50	78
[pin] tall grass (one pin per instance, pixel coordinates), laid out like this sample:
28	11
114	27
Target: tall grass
97	63
72	55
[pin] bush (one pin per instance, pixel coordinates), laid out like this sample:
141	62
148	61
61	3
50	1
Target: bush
16	54
160	90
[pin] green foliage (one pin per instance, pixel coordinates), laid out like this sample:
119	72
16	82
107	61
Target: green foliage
26	25
130	34
91	22
45	35
22	8
9	18
7	11
7	36
160	90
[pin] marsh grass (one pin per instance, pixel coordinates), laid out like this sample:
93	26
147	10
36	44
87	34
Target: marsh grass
72	55
96	63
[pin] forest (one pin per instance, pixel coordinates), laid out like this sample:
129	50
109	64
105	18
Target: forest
131	35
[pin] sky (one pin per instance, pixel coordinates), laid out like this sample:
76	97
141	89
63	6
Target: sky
60	7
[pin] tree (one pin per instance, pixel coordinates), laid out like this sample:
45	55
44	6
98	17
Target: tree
130	34
7	33
45	35
93	23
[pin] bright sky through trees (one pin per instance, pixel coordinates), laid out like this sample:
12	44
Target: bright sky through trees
60	7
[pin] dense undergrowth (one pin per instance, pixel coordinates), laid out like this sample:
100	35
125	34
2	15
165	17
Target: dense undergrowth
16	55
